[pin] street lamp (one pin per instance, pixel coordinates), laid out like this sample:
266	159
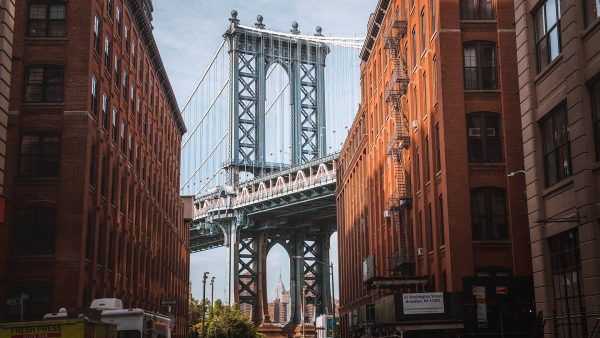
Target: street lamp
330	265
204	303
212	291
515	172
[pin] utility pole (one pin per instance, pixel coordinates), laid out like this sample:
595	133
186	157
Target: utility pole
204	303
212	291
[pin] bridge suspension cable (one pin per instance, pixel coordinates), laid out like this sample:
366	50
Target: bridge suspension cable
207	146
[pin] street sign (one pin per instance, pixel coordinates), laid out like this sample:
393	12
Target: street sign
168	302
13	301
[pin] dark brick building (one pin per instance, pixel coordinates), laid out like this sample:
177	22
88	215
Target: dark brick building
427	199
92	170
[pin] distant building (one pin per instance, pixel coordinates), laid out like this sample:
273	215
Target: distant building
280	307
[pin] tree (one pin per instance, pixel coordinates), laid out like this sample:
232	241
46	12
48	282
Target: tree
223	321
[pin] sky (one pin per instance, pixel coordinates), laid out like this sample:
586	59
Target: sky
188	33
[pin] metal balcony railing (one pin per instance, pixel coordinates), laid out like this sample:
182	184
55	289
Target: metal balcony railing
401	260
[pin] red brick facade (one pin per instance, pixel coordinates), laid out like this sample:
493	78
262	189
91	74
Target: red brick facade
118	229
442	181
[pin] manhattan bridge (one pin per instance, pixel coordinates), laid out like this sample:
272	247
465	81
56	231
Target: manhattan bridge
266	122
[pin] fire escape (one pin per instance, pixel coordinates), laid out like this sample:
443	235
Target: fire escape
403	261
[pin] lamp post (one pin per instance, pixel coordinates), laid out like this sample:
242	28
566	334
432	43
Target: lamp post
212	291
330	265
204	303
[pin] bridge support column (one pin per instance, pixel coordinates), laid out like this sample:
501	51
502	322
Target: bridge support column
297	280
232	243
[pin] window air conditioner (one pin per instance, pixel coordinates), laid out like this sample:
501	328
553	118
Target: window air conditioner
420	251
387	214
415	124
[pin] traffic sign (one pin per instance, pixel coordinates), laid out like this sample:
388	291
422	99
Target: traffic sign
168	302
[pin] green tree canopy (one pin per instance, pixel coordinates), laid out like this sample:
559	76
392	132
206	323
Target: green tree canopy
223	321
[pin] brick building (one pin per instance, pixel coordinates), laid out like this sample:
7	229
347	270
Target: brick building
427	198
7	21
92	170
559	83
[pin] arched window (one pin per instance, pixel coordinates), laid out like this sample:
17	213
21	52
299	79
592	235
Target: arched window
488	214
480	65
483	137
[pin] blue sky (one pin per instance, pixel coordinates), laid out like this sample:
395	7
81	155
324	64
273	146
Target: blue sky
189	31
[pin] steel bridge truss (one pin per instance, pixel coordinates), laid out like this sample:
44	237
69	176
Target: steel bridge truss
294	208
252	52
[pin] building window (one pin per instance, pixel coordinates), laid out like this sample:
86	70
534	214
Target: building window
423	30
109	7
592	9
118	19
438	151
123	137
125	84
126	48
433	9
441	220
418	170
430	227
97	34
425	98
477	9
93	165
105	111
47	19
40	156
117	73
492	271
94	100
435	79
483	138
107	53
547	28
426	159
44	84
34	231
488	214
557	146
415	103
595	95
414	46
565	260
115	131
480	65
133	53
104	177
90	236
115	184
100	258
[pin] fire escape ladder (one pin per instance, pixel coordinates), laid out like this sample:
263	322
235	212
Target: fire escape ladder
403	260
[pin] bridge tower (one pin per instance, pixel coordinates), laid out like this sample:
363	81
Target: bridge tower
249	236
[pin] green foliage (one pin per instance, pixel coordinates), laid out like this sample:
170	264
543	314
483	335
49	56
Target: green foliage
223	321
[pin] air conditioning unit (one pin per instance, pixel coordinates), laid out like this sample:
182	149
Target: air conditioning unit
420	252
415	124
387	214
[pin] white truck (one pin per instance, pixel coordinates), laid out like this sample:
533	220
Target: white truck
132	323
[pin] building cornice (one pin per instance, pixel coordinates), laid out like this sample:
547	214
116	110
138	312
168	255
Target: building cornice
373	28
144	27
